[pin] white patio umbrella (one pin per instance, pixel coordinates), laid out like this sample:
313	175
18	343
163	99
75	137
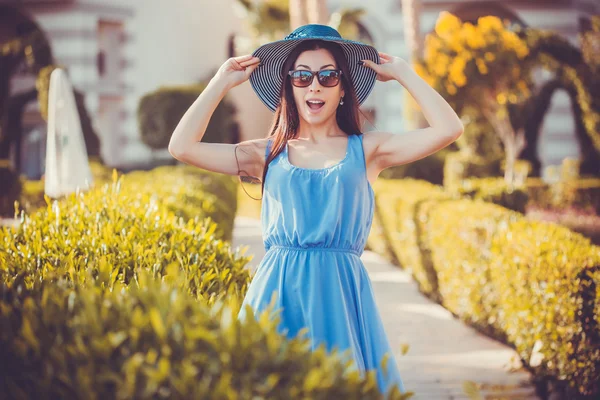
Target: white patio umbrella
67	166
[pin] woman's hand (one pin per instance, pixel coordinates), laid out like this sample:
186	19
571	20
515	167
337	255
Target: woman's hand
237	70
388	68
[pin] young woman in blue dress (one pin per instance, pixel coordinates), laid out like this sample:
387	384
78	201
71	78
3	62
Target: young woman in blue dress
318	200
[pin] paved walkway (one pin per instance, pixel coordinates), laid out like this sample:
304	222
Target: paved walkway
444	353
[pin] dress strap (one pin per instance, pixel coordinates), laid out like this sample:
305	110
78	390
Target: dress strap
361	151
268	149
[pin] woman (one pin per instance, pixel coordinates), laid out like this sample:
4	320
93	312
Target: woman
318	200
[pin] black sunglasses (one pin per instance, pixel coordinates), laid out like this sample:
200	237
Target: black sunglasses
326	77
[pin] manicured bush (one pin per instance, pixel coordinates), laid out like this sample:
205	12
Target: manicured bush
110	294
460	165
115	231
160	111
149	340
493	190
582	194
397	203
528	283
190	192
430	169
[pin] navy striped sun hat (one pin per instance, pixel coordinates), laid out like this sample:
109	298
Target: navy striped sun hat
267	79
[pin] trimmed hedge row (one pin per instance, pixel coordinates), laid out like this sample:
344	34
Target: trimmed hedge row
117	230
583	194
111	294
151	341
530	284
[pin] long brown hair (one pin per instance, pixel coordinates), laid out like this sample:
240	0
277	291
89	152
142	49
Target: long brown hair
287	121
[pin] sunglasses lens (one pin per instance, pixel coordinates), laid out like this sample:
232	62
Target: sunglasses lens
301	78
329	78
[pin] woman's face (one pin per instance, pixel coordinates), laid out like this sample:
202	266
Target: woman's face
316	60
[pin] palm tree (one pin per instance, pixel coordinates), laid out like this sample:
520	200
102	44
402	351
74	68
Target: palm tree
317	11
298	15
412	37
270	20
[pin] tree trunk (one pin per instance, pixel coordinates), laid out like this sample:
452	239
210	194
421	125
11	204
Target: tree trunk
514	142
317	11
412	30
298	15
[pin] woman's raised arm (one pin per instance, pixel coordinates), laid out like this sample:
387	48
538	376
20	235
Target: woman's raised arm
185	144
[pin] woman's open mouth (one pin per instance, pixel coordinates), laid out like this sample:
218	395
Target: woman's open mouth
315	106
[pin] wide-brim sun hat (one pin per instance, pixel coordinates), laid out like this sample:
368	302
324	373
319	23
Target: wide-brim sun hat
267	79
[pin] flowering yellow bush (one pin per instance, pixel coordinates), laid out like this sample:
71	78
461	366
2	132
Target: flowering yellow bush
482	66
475	56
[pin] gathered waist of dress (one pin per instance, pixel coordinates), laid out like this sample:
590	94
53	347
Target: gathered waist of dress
314	248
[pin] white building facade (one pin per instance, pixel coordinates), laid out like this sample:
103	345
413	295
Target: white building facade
117	51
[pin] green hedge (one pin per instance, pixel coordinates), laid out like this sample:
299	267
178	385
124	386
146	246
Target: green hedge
531	284
112	294
152	341
160	111
187	191
117	230
190	192
461	165
582	194
430	169
493	190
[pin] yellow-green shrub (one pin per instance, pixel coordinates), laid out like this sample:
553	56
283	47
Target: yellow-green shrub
398	205
115	231
492	190
107	294
527	280
531	284
190	192
150	341
462	165
583	194
187	191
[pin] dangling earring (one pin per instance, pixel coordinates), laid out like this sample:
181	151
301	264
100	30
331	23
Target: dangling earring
341	101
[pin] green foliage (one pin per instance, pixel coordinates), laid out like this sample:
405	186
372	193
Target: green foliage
115	231
479	136
111	293
461	165
189	192
160	111
578	72
581	194
430	169
150	340
529	283
493	190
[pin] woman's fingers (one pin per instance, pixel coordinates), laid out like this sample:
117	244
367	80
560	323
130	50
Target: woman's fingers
242	58
236	64
254	60
251	68
371	64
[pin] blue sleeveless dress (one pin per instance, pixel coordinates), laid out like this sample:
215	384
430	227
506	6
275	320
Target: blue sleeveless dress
315	225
